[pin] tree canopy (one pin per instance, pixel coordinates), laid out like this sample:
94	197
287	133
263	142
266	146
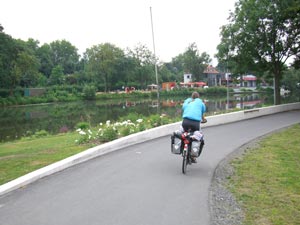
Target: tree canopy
104	66
261	36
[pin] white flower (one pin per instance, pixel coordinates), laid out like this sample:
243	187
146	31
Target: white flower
78	130
82	132
100	124
90	131
108	123
139	120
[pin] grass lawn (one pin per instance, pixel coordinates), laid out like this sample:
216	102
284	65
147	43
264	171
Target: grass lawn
267	180
21	157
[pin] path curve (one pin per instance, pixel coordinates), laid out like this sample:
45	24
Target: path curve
141	184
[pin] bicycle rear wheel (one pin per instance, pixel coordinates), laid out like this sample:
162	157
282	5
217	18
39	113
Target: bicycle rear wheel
184	161
201	147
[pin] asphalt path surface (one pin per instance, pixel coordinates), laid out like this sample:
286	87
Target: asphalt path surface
140	185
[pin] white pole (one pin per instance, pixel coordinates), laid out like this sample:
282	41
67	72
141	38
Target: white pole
154	52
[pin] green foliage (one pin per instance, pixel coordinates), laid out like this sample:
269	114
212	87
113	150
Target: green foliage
63	53
82	125
103	62
125	131
290	80
89	92
260	37
158	120
109	134
132	117
57	75
41	133
111	131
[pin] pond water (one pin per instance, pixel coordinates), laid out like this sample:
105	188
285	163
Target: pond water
16	122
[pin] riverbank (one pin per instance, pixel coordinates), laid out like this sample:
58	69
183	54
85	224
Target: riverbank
69	94
20	157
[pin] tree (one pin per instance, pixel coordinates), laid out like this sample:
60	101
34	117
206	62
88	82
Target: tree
65	54
25	71
191	61
57	75
144	65
102	61
46	64
195	63
291	80
261	36
8	53
18	64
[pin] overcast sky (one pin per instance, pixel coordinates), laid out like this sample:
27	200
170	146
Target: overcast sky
124	23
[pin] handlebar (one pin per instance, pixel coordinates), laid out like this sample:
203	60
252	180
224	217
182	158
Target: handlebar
204	120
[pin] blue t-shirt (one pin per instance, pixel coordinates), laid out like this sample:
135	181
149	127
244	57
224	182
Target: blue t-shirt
193	109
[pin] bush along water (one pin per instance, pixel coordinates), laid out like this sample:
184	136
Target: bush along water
88	92
109	131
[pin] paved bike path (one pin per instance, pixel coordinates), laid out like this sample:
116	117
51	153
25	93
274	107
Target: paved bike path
139	185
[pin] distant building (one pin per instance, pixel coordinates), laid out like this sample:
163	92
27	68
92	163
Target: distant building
212	76
168	85
247	81
193	84
215	78
187	78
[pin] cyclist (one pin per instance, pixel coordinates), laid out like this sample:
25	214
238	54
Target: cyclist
193	114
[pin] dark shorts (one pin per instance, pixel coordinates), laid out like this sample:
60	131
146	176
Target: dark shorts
190	124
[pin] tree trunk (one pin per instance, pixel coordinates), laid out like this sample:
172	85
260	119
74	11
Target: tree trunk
277	88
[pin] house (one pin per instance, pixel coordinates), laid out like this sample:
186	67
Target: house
193	84
212	76
189	83
187	78
247	81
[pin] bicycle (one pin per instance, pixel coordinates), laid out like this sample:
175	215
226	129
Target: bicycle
187	149
183	146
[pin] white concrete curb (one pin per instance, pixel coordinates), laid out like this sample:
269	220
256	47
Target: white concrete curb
137	138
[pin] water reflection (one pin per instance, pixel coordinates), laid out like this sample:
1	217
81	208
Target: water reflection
16	122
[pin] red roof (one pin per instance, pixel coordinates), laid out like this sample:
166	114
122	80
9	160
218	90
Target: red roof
249	77
198	84
211	70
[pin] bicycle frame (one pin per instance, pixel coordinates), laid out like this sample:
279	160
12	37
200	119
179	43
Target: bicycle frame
186	153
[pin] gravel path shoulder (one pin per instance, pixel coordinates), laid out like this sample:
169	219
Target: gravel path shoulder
224	208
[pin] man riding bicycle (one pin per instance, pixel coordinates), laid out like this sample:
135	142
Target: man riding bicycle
193	114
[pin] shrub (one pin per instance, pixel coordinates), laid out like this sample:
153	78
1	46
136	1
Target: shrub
82	125
125	131
132	117
108	134
41	133
89	92
85	136
155	120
